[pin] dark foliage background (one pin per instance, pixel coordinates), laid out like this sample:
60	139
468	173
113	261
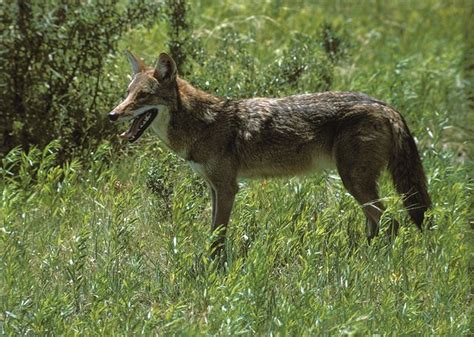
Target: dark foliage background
54	78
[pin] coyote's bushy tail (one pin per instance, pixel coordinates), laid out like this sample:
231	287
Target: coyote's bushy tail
407	173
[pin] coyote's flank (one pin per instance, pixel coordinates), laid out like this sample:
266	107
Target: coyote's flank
227	139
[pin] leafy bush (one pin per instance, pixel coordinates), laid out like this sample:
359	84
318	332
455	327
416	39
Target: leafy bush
179	31
55	59
303	65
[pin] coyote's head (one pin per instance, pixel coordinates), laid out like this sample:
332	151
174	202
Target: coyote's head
152	89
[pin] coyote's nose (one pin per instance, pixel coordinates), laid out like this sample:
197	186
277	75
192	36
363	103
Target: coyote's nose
113	116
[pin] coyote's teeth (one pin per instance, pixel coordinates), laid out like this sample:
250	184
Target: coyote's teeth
145	120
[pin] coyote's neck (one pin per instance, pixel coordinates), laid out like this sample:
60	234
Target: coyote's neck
191	118
197	103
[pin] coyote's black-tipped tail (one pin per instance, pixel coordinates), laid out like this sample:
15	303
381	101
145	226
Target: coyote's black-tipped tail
408	175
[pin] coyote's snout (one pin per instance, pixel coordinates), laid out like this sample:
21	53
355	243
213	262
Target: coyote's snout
227	139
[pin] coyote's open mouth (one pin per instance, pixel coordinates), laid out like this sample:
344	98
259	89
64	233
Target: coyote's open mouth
139	125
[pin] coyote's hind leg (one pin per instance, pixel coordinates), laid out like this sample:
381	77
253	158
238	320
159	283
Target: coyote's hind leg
361	153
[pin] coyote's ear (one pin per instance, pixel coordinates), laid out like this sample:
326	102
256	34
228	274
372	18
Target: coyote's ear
136	63
165	68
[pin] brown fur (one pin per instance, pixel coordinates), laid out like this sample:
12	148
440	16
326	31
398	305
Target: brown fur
225	139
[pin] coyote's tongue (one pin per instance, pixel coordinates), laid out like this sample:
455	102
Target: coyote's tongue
139	125
133	130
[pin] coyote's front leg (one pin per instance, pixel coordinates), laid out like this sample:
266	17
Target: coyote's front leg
223	191
212	193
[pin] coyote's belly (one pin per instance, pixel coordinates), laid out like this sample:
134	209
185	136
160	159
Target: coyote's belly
289	163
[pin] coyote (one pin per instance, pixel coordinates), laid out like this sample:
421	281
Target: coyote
226	139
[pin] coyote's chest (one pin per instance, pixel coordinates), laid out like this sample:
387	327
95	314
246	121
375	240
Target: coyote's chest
161	123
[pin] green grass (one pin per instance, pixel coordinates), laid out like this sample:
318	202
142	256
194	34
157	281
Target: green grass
87	249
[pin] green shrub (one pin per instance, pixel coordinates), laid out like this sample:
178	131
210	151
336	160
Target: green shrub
55	58
232	70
